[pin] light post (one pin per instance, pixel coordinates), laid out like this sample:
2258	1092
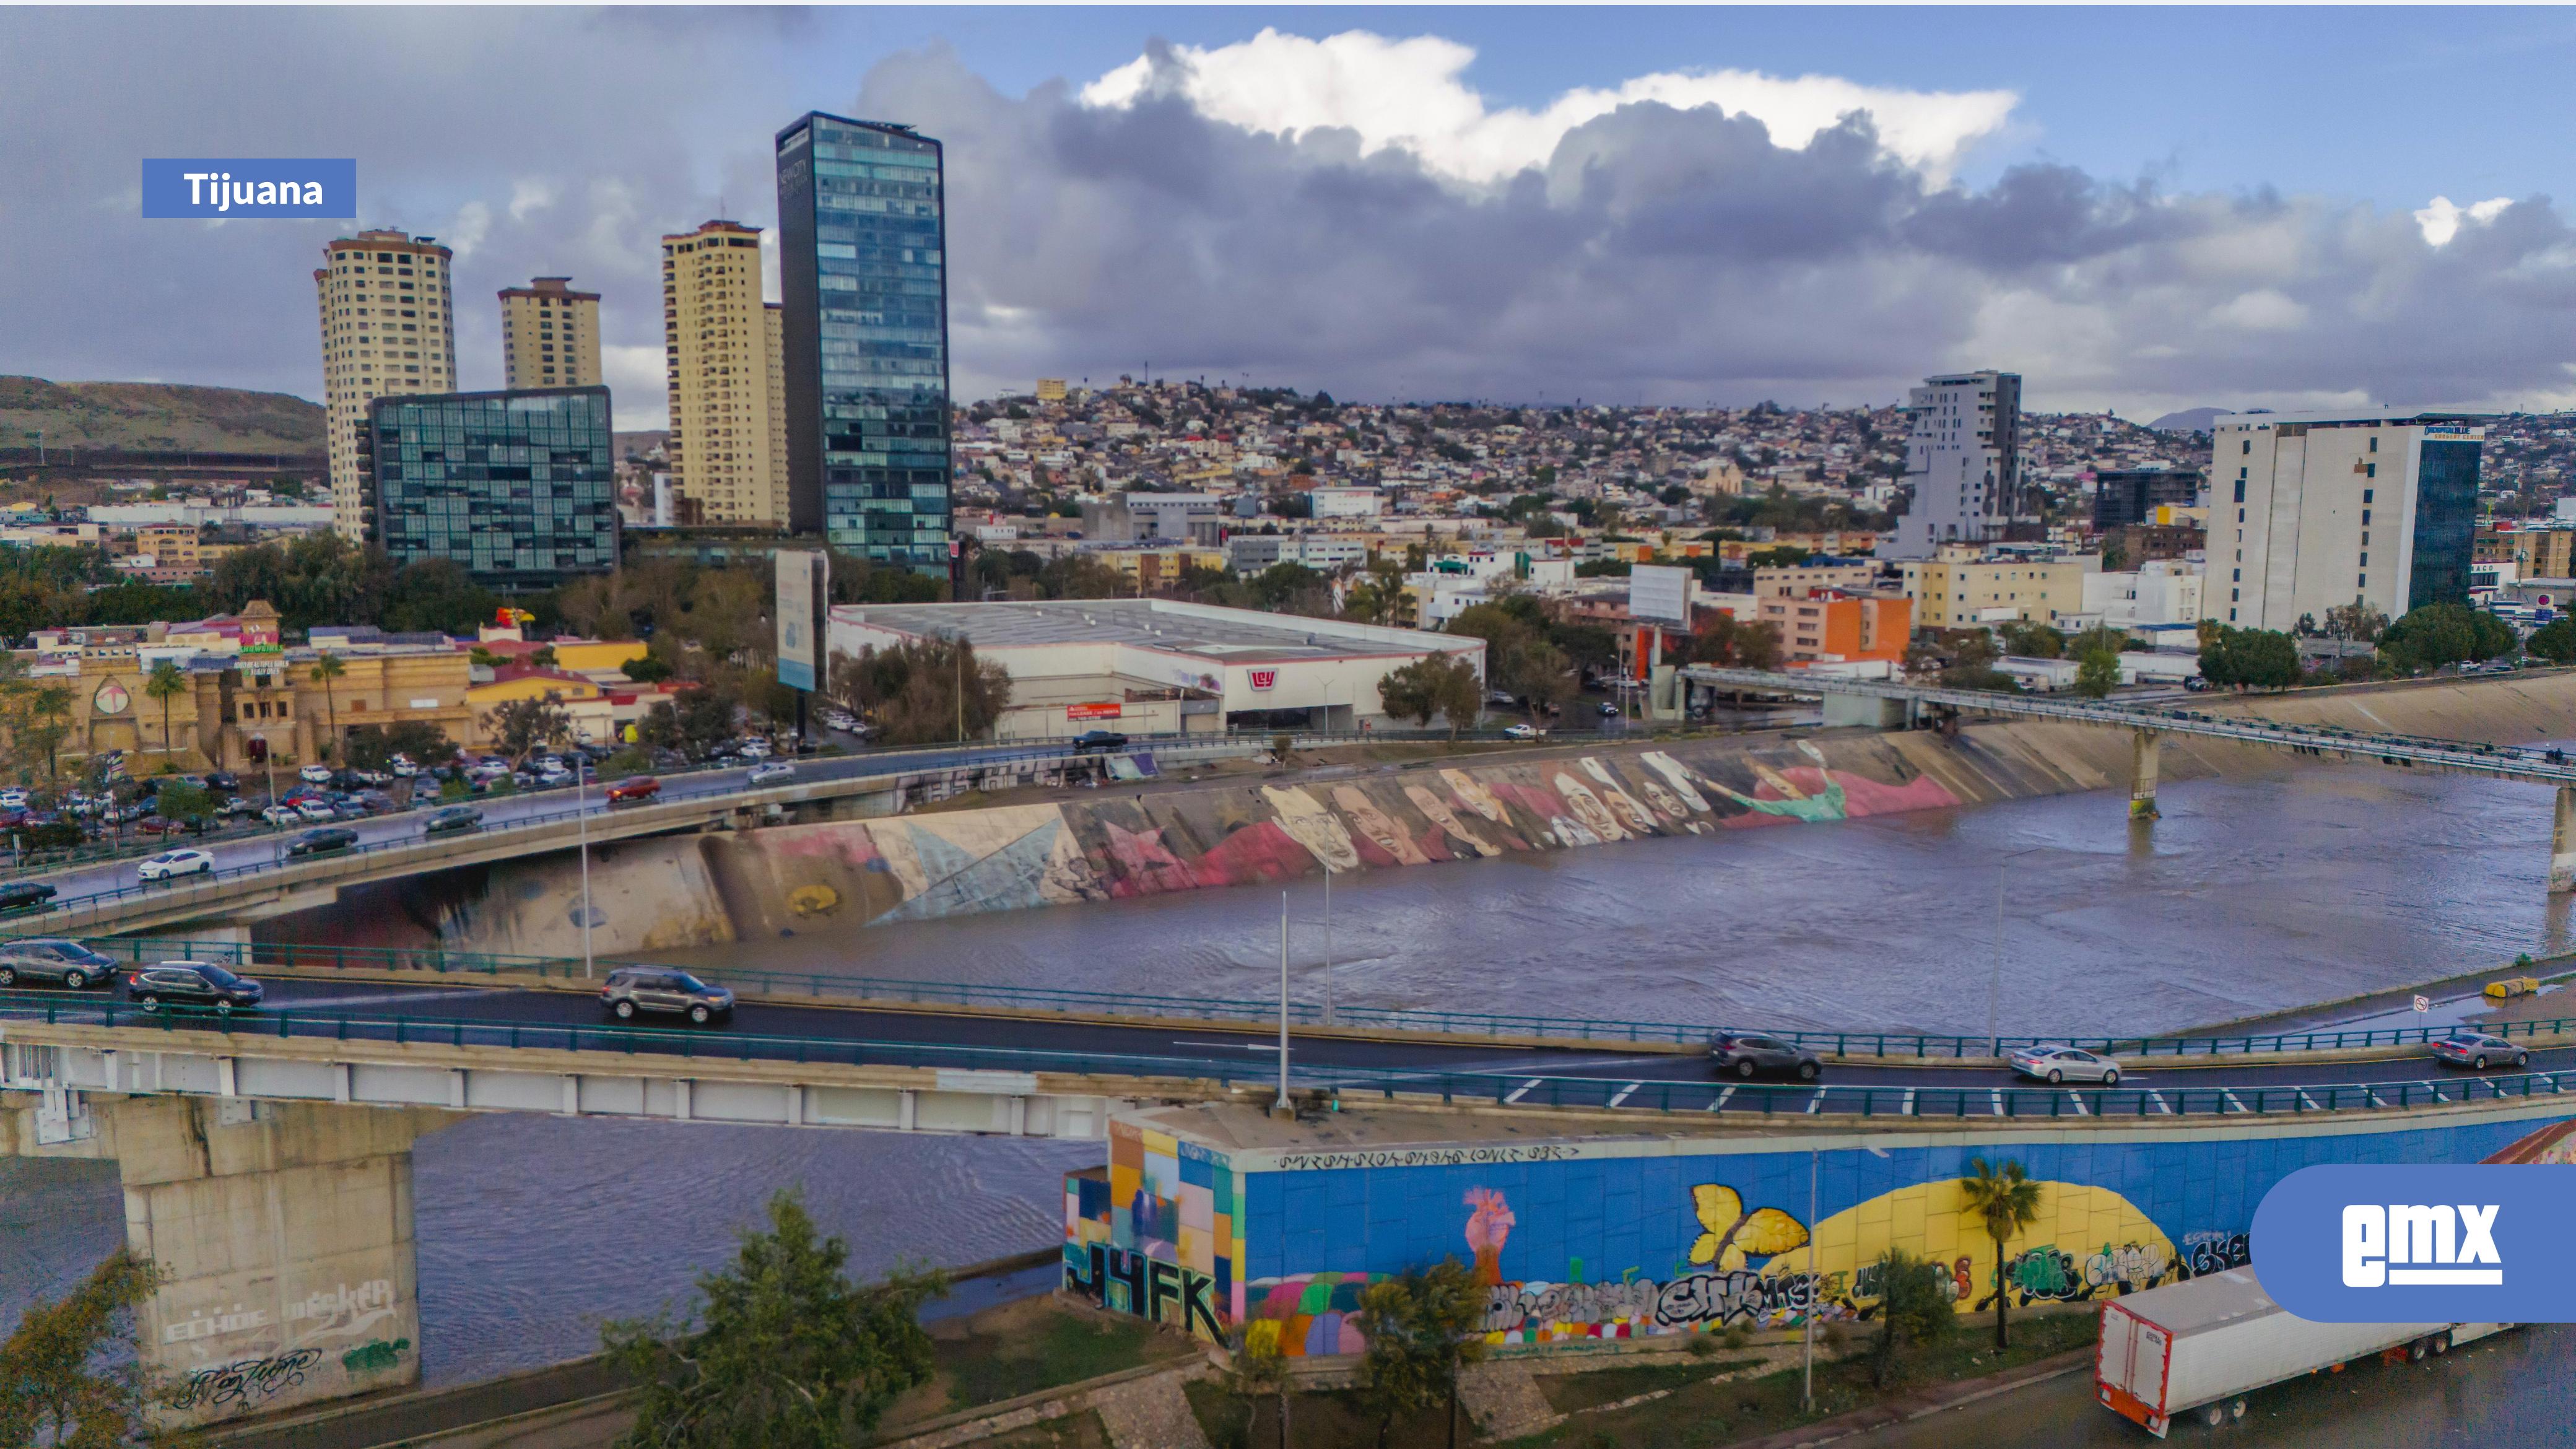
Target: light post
581	813
1328	943
1995	984
1807	1332
1282	1107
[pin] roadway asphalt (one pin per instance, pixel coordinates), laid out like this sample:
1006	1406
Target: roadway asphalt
254	852
1535	1076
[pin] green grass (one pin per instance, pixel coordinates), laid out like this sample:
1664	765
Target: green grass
1066	1348
1567	1393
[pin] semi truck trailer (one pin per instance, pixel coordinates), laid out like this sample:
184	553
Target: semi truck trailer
2200	1346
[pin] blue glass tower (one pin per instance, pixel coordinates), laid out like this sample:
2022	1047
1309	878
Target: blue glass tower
520	487
863	279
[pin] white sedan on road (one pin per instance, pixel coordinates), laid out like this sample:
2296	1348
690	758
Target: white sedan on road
775	772
170	863
2055	1064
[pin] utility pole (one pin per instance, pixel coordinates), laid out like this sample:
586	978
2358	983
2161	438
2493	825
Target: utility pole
1807	1387
1328	943
1282	1107
581	812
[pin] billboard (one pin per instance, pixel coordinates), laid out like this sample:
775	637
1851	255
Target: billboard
1659	592
804	591
1107	709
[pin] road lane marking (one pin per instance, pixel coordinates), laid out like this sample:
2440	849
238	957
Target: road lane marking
1909	1101
315	1003
1521	1091
2307	1101
2161	1104
1998	1094
1816	1103
2080	1109
1720	1104
1623	1093
2232	1103
2373	1094
1267	1046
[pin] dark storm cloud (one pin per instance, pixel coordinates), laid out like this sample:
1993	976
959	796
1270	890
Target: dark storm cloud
1659	252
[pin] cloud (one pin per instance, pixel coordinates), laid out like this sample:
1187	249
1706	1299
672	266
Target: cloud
1410	94
2441	220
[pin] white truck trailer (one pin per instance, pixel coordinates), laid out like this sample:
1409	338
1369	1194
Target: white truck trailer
2203	1344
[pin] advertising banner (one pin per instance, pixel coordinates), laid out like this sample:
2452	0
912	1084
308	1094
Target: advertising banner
1108	709
1659	592
804	592
2367	1243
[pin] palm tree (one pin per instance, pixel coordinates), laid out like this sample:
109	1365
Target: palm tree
165	684
50	703
2004	1201
326	669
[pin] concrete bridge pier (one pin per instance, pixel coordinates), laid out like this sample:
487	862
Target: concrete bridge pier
2562	842
2143	760
284	1229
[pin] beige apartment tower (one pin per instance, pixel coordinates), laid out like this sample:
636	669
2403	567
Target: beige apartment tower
720	346
388	326
549	335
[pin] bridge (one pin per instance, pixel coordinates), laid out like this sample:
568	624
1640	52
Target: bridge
2148	724
293	1125
255	879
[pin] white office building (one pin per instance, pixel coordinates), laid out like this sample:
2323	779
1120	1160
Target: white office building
2159	591
2312	511
1963	458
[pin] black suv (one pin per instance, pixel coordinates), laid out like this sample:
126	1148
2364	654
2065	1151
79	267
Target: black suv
24	895
191	983
448	819
68	963
1746	1054
323	841
633	989
1090	740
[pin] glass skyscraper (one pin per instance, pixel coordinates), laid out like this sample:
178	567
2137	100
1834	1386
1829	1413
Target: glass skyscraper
519	487
862	234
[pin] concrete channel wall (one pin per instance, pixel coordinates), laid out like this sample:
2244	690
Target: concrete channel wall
1169	836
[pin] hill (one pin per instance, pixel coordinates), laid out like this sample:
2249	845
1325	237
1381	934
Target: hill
2189	420
156	416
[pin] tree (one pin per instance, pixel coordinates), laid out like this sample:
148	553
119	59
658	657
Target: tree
1732	643
520	726
2440	634
68	1376
436	594
372	747
2356	620
928	689
784	1351
2003	1201
2247	658
693	720
166	683
326	669
1435	684
2097	673
1912	1311
1260	1371
1519	659
179	800
1422	1327
2032	641
2554	641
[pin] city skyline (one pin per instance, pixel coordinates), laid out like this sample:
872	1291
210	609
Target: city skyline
1671	215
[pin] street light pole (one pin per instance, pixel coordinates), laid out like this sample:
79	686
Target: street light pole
1282	1107
1995	982
1328	943
581	812
1807	1387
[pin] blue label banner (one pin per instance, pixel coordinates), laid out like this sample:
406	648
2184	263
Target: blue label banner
2420	1244
252	189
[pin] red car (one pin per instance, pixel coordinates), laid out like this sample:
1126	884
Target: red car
634	789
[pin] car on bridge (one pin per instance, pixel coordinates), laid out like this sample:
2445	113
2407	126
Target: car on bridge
323	841
65	963
192	983
2055	1064
2475	1050
24	895
451	820
634	790
774	773
1746	1055
1089	740
170	864
634	989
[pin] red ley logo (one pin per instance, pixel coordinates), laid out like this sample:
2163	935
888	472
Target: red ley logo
1264	678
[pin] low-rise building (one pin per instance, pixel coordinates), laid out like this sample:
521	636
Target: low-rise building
1850	575
1832	626
2161	591
1961	586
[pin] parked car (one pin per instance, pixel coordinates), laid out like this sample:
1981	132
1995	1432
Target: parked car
63	963
1522	732
1749	1054
13	799
223	780
314	807
1089	740
776	772
634	989
402	766
1606	710
2475	1050
172	863
192	983
323	841
634	790
315	774
240	805
754	749
452	820
281	815
2055	1064
160	825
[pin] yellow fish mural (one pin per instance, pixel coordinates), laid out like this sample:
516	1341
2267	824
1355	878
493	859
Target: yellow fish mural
1729	1235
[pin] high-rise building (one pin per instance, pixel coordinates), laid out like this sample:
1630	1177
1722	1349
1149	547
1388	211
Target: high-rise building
2315	511
549	335
518	486
715	335
2123	496
1963	457
774	338
863	272
388	326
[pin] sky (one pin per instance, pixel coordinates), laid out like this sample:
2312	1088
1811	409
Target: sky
2138	208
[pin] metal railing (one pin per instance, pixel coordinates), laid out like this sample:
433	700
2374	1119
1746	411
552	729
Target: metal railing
1049	1000
1502	1089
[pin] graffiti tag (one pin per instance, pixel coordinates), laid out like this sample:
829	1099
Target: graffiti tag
250	1381
1154	1289
374	1356
2208	1252
1424	1157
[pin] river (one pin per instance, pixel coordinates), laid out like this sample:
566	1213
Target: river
2251	894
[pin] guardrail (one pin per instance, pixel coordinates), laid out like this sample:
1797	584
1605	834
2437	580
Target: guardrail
1503	1089
965	996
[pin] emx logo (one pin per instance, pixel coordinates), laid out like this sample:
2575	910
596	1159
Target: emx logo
2435	1242
2428	1243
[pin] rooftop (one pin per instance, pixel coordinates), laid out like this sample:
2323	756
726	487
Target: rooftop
1197	629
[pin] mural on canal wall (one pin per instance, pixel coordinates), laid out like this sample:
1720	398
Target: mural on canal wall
1622	1239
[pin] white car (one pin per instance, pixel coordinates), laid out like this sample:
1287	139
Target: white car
1522	732
315	774
281	815
171	863
13	799
755	749
2055	1064
841	721
315	810
773	773
402	767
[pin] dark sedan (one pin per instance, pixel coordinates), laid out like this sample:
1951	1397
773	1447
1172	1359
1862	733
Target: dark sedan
450	819
323	841
192	983
24	895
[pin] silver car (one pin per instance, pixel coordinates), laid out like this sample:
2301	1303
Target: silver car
631	990
2055	1064
64	963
